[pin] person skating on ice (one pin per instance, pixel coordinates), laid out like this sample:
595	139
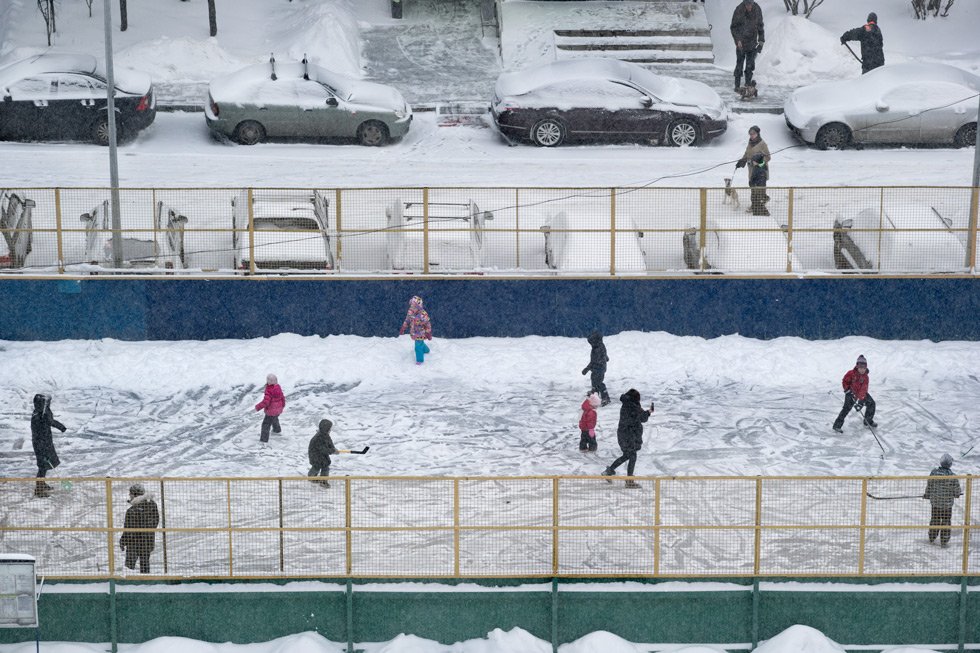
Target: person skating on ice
630	433
597	365
941	492
319	452
856	395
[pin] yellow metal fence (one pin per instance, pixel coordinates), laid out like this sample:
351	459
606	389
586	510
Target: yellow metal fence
490	231
441	527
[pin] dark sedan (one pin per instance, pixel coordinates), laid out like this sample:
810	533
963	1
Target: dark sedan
57	96
605	99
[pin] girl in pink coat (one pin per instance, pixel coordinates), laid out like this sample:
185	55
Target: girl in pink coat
419	326
273	402
588	421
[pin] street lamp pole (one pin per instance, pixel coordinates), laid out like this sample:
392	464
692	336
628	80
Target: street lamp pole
971	245
117	257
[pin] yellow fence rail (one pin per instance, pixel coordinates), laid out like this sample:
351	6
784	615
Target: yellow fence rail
442	527
594	232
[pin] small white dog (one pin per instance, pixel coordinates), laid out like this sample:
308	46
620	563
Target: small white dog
731	195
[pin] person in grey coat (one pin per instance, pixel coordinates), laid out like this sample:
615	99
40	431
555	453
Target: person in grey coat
941	492
320	449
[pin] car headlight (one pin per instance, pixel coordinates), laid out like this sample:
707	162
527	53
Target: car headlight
403	113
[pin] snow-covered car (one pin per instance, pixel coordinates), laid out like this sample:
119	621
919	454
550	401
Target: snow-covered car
55	96
898	237
907	103
298	100
733	244
283	230
160	247
605	99
452	236
16	228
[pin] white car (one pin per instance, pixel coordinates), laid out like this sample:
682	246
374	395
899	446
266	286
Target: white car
283	230
908	103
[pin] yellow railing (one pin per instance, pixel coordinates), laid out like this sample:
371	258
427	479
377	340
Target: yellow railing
594	232
441	527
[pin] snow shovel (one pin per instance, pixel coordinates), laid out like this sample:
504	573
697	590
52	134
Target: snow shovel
852	54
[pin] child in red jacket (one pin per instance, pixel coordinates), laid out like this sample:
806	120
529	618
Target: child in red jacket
273	402
587	422
856	395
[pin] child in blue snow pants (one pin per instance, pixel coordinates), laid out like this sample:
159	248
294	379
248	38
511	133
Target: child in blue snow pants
421	349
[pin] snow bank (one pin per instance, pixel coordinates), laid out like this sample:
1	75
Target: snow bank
799	51
800	639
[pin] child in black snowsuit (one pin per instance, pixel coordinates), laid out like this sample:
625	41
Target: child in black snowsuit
757	184
597	365
47	458
321	446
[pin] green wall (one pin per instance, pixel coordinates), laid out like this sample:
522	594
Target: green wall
639	611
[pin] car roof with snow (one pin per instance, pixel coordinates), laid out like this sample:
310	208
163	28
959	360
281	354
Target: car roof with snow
884	78
48	62
254	84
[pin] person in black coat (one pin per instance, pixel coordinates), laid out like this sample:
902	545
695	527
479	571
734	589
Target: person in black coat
872	43
597	365
47	458
321	446
630	433
749	33
142	513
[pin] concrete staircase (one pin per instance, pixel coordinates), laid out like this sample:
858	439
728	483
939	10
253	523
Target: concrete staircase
675	44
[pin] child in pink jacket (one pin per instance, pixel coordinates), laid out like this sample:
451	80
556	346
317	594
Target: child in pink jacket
273	402
588	421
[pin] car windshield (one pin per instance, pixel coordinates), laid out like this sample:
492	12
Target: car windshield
286	224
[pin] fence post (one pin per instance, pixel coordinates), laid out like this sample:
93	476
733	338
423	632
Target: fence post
340	240
163	525
282	535
758	526
789	234
347	544
881	222
864	522
554	526
554	615
57	226
967	507
350	616
251	233
703	231
971	240
612	232
755	613
963	599
113	623
456	527
656	527
109	533
425	231
231	552
517	224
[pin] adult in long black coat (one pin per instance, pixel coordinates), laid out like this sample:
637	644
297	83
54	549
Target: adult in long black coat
47	458
872	43
142	513
630	433
319	451
749	33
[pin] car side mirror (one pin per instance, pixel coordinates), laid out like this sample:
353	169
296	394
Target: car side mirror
332	102
647	102
881	106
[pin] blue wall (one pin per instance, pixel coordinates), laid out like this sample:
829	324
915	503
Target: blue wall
175	309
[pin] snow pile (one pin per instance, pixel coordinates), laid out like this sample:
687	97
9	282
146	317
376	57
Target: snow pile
800	639
181	59
799	51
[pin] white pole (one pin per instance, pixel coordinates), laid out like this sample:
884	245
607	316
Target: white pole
113	161
971	246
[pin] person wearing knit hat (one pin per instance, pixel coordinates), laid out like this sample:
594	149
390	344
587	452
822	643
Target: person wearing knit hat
856	395
136	540
273	402
756	146
941	491
872	43
319	451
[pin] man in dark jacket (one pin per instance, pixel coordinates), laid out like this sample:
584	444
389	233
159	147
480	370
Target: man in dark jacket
872	43
941	492
597	365
629	433
321	446
749	34
142	513
47	458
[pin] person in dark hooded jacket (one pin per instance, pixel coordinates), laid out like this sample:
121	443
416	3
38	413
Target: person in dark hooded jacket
941	491
630	433
749	33
597	365
320	449
872	43
142	513
47	458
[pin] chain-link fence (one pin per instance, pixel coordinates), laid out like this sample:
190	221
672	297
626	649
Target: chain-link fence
427	527
491	231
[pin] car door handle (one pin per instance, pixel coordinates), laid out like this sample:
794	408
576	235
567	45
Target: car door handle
40	103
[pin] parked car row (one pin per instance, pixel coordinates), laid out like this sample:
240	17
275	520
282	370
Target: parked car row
63	96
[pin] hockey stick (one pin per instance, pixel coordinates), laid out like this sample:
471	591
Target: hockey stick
872	429
852	54
364	450
909	496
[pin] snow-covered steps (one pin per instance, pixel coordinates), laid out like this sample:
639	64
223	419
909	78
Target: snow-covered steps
678	45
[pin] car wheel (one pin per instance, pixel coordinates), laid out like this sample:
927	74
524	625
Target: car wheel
372	133
966	136
834	136
100	131
548	133
683	132
249	133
